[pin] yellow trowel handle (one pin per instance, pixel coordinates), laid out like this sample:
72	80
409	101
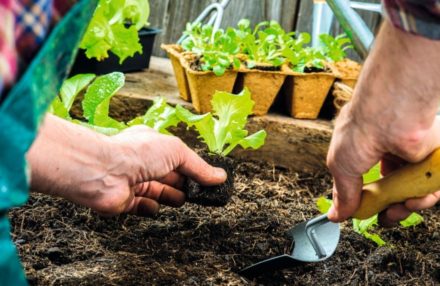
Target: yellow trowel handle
412	181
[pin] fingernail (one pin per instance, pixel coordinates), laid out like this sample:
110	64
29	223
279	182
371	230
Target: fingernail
220	173
331	214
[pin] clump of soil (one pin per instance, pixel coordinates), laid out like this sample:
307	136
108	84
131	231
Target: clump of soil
215	196
63	244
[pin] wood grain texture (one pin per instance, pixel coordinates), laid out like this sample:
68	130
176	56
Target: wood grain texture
171	16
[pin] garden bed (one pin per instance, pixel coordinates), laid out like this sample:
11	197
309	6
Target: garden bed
62	244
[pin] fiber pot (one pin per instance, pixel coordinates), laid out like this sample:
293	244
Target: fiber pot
346	71
175	53
203	84
264	86
306	92
136	63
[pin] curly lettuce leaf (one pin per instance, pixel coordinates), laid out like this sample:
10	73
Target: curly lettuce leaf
97	100
114	28
159	116
413	220
224	128
69	90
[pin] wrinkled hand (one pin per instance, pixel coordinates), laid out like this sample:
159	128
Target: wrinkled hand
133	172
391	118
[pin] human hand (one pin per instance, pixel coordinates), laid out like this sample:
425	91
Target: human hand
392	112
133	172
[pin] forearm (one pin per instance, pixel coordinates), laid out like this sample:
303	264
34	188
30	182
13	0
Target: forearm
399	89
62	146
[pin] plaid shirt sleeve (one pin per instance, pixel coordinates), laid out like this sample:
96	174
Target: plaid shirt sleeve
8	55
24	27
420	17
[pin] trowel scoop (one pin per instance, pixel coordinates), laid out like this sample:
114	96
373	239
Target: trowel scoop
316	239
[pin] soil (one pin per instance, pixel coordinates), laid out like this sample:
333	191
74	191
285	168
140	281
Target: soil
63	244
213	196
264	67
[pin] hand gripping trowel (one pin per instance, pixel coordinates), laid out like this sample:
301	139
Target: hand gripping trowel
316	240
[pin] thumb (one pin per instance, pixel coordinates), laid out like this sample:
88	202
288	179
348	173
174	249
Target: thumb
193	166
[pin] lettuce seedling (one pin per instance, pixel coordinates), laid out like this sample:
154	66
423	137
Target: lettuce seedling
114	27
263	45
97	98
70	89
216	50
160	116
333	48
224	128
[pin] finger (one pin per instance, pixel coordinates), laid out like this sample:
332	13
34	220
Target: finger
423	203
393	215
145	207
346	197
196	168
173	179
161	193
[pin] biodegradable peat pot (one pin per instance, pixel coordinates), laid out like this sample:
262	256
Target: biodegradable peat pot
203	84
346	71
175	53
136	63
264	86
306	92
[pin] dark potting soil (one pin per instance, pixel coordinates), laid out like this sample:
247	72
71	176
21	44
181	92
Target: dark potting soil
63	244
265	67
215	196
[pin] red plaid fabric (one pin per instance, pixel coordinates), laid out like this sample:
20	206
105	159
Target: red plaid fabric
25	25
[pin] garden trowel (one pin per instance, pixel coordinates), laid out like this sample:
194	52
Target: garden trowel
316	240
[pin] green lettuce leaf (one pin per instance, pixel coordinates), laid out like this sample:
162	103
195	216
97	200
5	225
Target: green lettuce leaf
159	116
323	204
97	100
114	28
69	90
224	128
413	220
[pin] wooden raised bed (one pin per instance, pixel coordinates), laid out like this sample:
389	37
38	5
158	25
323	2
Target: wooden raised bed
300	145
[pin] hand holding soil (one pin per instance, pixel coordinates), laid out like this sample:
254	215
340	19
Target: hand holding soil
132	172
392	112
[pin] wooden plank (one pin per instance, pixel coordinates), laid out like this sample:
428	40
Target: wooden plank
300	145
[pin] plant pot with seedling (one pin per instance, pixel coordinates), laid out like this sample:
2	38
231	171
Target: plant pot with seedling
175	54
309	79
117	39
262	60
209	62
221	130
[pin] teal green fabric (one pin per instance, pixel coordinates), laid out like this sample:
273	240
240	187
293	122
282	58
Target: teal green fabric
11	272
21	114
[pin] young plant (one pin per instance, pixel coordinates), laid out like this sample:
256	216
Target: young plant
215	50
224	128
98	92
114	27
263	45
334	48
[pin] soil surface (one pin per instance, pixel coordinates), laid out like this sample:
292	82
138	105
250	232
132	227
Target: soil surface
63	244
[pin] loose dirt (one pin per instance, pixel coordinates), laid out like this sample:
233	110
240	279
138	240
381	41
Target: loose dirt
63	244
